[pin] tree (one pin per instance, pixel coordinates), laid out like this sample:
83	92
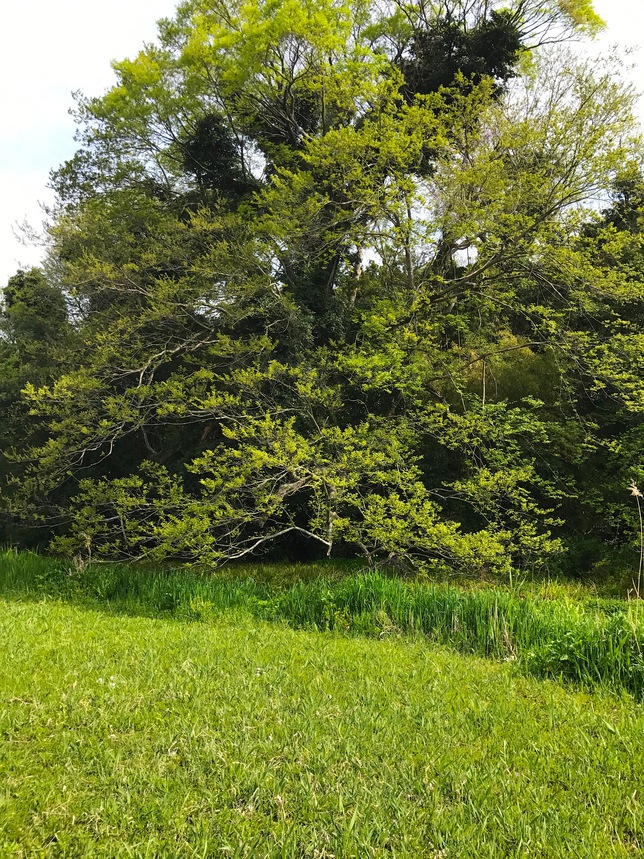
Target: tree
323	296
34	335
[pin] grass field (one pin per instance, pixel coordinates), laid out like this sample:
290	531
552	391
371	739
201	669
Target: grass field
314	711
144	737
548	629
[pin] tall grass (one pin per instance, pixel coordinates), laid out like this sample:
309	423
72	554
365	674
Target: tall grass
547	637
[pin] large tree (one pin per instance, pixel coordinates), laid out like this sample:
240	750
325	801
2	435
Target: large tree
335	284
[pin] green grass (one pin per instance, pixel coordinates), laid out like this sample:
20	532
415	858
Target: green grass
545	633
142	737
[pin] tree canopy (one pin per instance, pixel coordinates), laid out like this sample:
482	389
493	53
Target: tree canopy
351	277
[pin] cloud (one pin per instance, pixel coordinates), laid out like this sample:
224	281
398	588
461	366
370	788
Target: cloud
47	51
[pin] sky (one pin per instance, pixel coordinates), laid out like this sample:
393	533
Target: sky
48	50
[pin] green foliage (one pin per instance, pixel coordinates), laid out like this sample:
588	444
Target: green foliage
439	53
339	284
545	628
36	338
34	314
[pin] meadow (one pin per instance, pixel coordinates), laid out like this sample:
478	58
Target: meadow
549	629
146	714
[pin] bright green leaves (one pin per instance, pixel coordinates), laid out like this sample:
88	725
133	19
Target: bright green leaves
355	181
311	304
266	480
618	366
285	71
130	516
582	14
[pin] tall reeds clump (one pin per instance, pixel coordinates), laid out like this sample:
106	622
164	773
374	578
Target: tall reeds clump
557	638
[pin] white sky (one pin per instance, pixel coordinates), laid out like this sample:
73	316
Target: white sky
50	48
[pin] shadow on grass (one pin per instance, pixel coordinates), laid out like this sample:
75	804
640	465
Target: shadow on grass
155	590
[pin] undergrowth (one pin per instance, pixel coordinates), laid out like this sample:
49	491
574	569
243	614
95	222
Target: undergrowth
592	643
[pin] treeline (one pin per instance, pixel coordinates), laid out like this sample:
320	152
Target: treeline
359	278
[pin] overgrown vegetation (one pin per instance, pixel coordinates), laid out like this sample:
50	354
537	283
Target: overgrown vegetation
356	288
358	279
595	642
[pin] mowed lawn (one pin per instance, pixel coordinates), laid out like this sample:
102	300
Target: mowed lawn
141	737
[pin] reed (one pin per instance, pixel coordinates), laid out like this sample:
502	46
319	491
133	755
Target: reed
635	492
